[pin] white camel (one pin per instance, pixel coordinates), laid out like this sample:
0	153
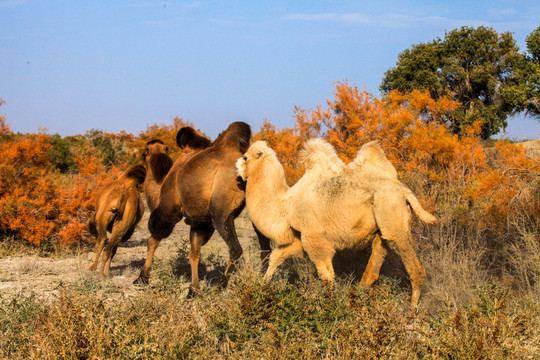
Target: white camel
333	206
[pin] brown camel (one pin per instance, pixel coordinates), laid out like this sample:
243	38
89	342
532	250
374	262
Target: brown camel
333	206
119	208
158	164
202	186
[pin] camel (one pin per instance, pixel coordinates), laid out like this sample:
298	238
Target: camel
158	164
119	208
203	188
333	206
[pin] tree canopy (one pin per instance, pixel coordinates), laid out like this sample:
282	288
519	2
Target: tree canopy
480	68
523	92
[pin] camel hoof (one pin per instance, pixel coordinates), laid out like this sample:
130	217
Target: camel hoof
223	282
141	281
192	293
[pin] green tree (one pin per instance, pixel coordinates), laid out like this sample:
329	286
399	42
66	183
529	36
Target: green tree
475	65
60	154
523	92
417	68
111	151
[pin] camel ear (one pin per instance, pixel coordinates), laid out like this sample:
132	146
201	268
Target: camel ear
260	153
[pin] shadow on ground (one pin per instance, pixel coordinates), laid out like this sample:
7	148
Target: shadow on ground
211	268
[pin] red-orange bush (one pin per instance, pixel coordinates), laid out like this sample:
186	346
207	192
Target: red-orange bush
479	187
163	132
37	203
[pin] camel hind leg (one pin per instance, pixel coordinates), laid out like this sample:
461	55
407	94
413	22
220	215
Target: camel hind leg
404	248
393	217
160	227
98	247
321	252
110	251
126	225
373	268
198	236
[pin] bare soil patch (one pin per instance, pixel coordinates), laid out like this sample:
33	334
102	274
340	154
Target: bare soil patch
46	276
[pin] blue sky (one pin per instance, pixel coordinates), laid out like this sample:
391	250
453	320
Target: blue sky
71	66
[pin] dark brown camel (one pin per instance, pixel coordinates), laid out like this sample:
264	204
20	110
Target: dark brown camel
158	164
203	187
119	208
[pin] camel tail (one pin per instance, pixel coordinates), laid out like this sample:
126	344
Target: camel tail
422	214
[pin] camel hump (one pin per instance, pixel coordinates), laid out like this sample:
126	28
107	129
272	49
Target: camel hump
187	137
160	164
155	141
318	152
371	161
136	172
237	135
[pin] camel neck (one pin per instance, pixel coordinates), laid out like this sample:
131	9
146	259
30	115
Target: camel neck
271	180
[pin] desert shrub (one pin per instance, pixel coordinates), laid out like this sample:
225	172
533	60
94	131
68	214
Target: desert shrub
60	154
40	204
258	319
486	196
111	148
163	132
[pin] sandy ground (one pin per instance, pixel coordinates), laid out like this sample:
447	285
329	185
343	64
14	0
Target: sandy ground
46	276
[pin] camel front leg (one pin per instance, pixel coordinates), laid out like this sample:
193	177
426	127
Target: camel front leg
264	244
228	232
280	254
151	247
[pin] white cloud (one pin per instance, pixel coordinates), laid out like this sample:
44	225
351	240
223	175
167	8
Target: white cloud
502	12
12	3
353	18
144	4
454	23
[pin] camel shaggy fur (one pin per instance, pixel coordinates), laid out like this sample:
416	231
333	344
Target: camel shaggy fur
203	188
119	208
333	206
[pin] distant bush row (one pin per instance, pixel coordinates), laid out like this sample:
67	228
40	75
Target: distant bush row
487	193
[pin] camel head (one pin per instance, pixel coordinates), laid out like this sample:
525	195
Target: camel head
154	146
257	153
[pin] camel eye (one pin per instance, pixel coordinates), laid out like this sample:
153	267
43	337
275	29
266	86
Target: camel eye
244	157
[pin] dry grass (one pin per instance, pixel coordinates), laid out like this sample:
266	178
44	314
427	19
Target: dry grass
280	319
481	301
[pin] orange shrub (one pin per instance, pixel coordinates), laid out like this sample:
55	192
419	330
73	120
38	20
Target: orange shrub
476	187
163	132
37	203
508	191
286	143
